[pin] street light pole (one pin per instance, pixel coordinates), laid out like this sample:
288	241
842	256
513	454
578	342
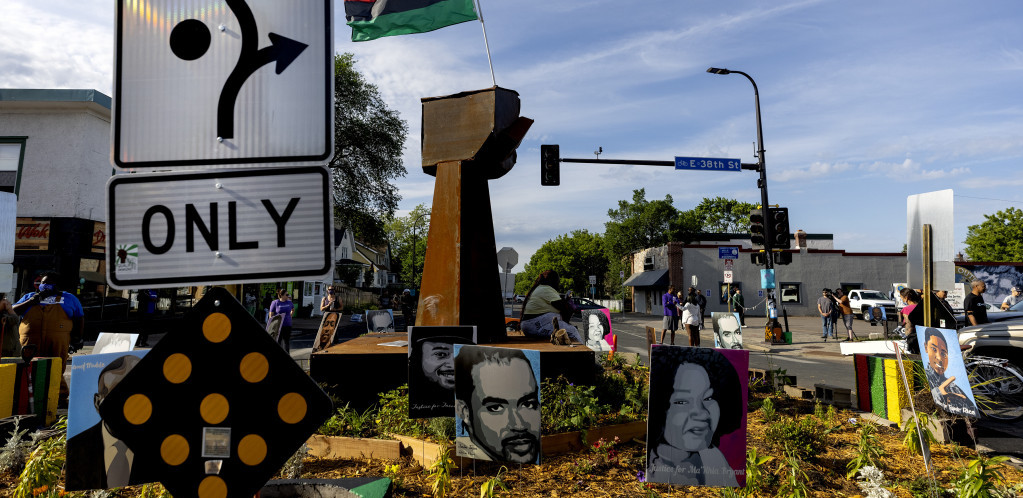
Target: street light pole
762	182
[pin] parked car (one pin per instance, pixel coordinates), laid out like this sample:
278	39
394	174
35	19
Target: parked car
1003	339
861	300
995	313
581	303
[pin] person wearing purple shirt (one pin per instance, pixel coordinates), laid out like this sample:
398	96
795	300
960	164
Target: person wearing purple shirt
670	303
283	306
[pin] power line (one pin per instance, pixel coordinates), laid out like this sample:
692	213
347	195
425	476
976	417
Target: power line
987	199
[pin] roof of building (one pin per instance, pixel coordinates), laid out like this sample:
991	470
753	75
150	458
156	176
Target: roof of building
54	95
650	278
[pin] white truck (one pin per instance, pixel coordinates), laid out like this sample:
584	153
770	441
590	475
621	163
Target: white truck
860	300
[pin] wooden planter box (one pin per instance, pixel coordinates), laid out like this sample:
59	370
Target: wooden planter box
350	447
945	430
567	442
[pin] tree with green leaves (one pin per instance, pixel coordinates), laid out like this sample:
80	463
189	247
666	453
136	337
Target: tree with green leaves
642	223
575	257
368	142
407	236
720	215
998	238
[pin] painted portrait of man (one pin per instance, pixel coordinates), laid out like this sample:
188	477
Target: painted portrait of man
380	320
431	368
328	327
727	331
497	404
946	372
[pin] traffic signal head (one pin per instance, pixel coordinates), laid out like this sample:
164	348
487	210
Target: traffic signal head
782	258
550	165
756	226
757	258
779	220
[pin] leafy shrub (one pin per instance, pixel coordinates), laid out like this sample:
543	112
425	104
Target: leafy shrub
624	388
911	440
16	450
442	428
348	422
981	477
767	410
804	438
42	472
392	416
566	407
869	452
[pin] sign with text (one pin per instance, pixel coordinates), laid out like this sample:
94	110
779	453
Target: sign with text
254	225
32	234
210	83
708	164
727	277
728	264
728	253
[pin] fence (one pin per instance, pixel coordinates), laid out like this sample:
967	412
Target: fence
354	297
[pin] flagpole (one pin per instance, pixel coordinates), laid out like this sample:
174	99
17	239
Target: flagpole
485	42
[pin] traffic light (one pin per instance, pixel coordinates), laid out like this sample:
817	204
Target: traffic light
780	236
756	226
550	165
757	258
782	258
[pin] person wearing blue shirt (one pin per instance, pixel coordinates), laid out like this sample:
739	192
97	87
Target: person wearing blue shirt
52	320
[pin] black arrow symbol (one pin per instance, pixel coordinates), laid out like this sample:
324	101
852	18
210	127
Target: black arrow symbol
282	50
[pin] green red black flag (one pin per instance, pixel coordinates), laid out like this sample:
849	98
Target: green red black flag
372	19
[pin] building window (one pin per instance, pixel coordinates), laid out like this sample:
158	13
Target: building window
725	289
648	263
12	155
790	292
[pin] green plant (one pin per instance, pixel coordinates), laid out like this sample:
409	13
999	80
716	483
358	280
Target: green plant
767	410
492	486
16	450
442	428
392	416
868	452
153	490
603	454
393	472
793	477
440	473
831	416
624	387
871	482
804	438
818	409
42	471
923	487
1008	491
911	439
568	407
754	476
348	422
981	477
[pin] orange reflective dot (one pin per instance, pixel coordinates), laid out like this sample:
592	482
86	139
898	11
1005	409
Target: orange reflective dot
216	327
252	450
214	408
177	368
137	409
291	408
254	367
174	449
212	487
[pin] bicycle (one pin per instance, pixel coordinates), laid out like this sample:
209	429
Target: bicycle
998	387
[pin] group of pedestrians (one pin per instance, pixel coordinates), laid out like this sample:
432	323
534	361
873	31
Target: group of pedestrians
834	306
688	309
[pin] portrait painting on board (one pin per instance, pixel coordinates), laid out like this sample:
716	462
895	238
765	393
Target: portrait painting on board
380	320
696	429
596	329
96	458
111	342
328	327
431	368
497	404
727	331
945	370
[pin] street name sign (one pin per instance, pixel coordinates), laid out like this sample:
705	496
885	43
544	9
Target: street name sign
728	253
207	83
219	227
708	164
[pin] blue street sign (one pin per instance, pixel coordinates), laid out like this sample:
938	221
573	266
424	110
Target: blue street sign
708	164
728	253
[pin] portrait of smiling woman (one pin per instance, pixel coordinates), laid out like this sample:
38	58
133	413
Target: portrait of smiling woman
696	430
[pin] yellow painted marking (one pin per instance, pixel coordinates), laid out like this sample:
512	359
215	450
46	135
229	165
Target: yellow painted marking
212	487
254	367
216	327
252	450
214	408
292	408
174	449
177	368
138	409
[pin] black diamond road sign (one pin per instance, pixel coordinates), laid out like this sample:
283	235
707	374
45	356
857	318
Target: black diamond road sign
217	407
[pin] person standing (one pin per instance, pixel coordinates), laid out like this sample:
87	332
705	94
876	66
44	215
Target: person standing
283	306
691	320
976	313
147	309
330	302
52	329
670	320
738	306
825	307
847	314
250	304
1012	298
701	301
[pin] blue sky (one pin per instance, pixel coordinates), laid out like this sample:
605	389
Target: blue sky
862	103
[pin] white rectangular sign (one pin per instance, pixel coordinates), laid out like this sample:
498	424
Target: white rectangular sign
219	227
935	209
728	264
201	83
728	277
8	226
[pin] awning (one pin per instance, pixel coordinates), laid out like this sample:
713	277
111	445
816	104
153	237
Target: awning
652	278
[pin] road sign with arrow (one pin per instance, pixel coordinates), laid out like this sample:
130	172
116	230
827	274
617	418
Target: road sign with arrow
233	82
